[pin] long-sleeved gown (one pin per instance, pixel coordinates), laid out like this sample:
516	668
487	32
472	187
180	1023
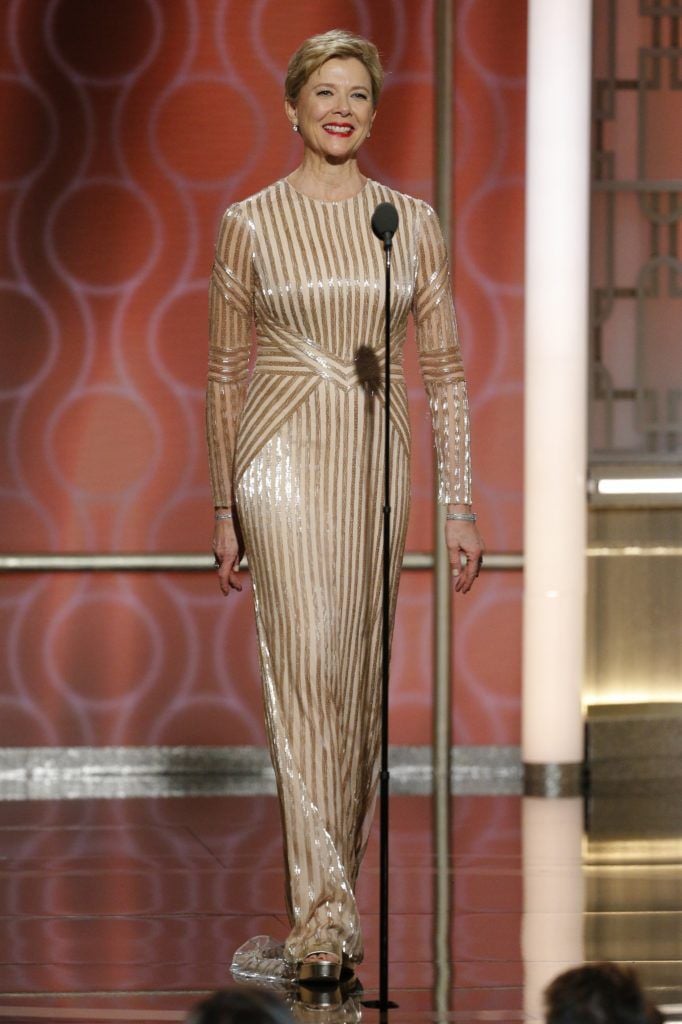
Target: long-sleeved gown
299	451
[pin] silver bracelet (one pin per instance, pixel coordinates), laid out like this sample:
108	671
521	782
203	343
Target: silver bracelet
462	517
219	516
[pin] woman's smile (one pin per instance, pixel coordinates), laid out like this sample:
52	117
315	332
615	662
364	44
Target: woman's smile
335	128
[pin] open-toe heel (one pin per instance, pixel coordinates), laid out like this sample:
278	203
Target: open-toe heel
319	972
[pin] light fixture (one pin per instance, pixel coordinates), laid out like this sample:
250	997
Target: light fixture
639	485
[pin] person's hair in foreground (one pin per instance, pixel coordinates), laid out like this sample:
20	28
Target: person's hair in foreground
601	993
241	1005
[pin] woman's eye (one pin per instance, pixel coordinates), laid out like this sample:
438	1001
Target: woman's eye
323	92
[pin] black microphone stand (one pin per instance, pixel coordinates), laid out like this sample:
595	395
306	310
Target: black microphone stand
384	225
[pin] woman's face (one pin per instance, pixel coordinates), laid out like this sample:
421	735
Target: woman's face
334	110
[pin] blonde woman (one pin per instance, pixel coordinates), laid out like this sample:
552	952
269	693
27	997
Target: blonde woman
296	459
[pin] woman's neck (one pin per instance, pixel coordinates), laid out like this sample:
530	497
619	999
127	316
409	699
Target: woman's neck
320	179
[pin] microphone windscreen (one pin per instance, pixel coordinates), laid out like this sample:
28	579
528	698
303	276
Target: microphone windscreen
385	220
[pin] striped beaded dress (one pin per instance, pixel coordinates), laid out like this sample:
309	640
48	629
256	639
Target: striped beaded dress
298	448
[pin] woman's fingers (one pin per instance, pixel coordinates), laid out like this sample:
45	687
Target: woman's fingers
227	564
227	557
464	543
234	580
467	575
228	572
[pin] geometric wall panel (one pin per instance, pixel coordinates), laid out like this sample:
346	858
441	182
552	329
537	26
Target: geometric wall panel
128	127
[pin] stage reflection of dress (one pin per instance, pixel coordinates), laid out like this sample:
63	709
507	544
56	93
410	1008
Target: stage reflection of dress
301	453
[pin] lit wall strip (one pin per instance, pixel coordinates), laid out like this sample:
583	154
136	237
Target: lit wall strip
639	485
637	551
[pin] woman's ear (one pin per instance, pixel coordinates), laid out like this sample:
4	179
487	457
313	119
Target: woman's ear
290	111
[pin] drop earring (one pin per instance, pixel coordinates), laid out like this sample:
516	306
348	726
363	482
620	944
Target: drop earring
294	126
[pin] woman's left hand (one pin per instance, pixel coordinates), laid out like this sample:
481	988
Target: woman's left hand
462	538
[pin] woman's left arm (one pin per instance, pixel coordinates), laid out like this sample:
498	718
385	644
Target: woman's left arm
440	359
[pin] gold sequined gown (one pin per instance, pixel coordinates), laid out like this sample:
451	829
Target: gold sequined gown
299	450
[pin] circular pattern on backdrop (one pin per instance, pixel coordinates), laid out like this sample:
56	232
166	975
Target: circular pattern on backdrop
103	442
215	720
490	51
171	525
277	29
27	348
102	234
21	718
26	525
491	696
405	113
183	363
103	41
100	642
204	127
500	414
125	253
27	123
497	258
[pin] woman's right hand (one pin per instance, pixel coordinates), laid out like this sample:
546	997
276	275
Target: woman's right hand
227	551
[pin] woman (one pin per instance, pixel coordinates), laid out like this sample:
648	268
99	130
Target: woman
298	456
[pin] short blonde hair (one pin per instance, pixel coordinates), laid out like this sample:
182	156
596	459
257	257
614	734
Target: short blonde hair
339	44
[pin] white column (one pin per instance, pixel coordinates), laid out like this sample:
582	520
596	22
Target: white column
557	247
553	894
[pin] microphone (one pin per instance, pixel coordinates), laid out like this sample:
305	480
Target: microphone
385	222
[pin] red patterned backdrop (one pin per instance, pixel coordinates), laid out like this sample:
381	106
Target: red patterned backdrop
128	127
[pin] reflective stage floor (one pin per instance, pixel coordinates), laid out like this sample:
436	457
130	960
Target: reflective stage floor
130	909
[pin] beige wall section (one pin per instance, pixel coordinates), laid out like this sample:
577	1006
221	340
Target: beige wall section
634	607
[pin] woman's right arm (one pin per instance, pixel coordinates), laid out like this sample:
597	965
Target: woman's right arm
230	333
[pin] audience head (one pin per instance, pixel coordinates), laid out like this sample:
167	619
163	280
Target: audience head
598	994
241	1005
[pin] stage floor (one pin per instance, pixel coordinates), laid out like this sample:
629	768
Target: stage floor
129	909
